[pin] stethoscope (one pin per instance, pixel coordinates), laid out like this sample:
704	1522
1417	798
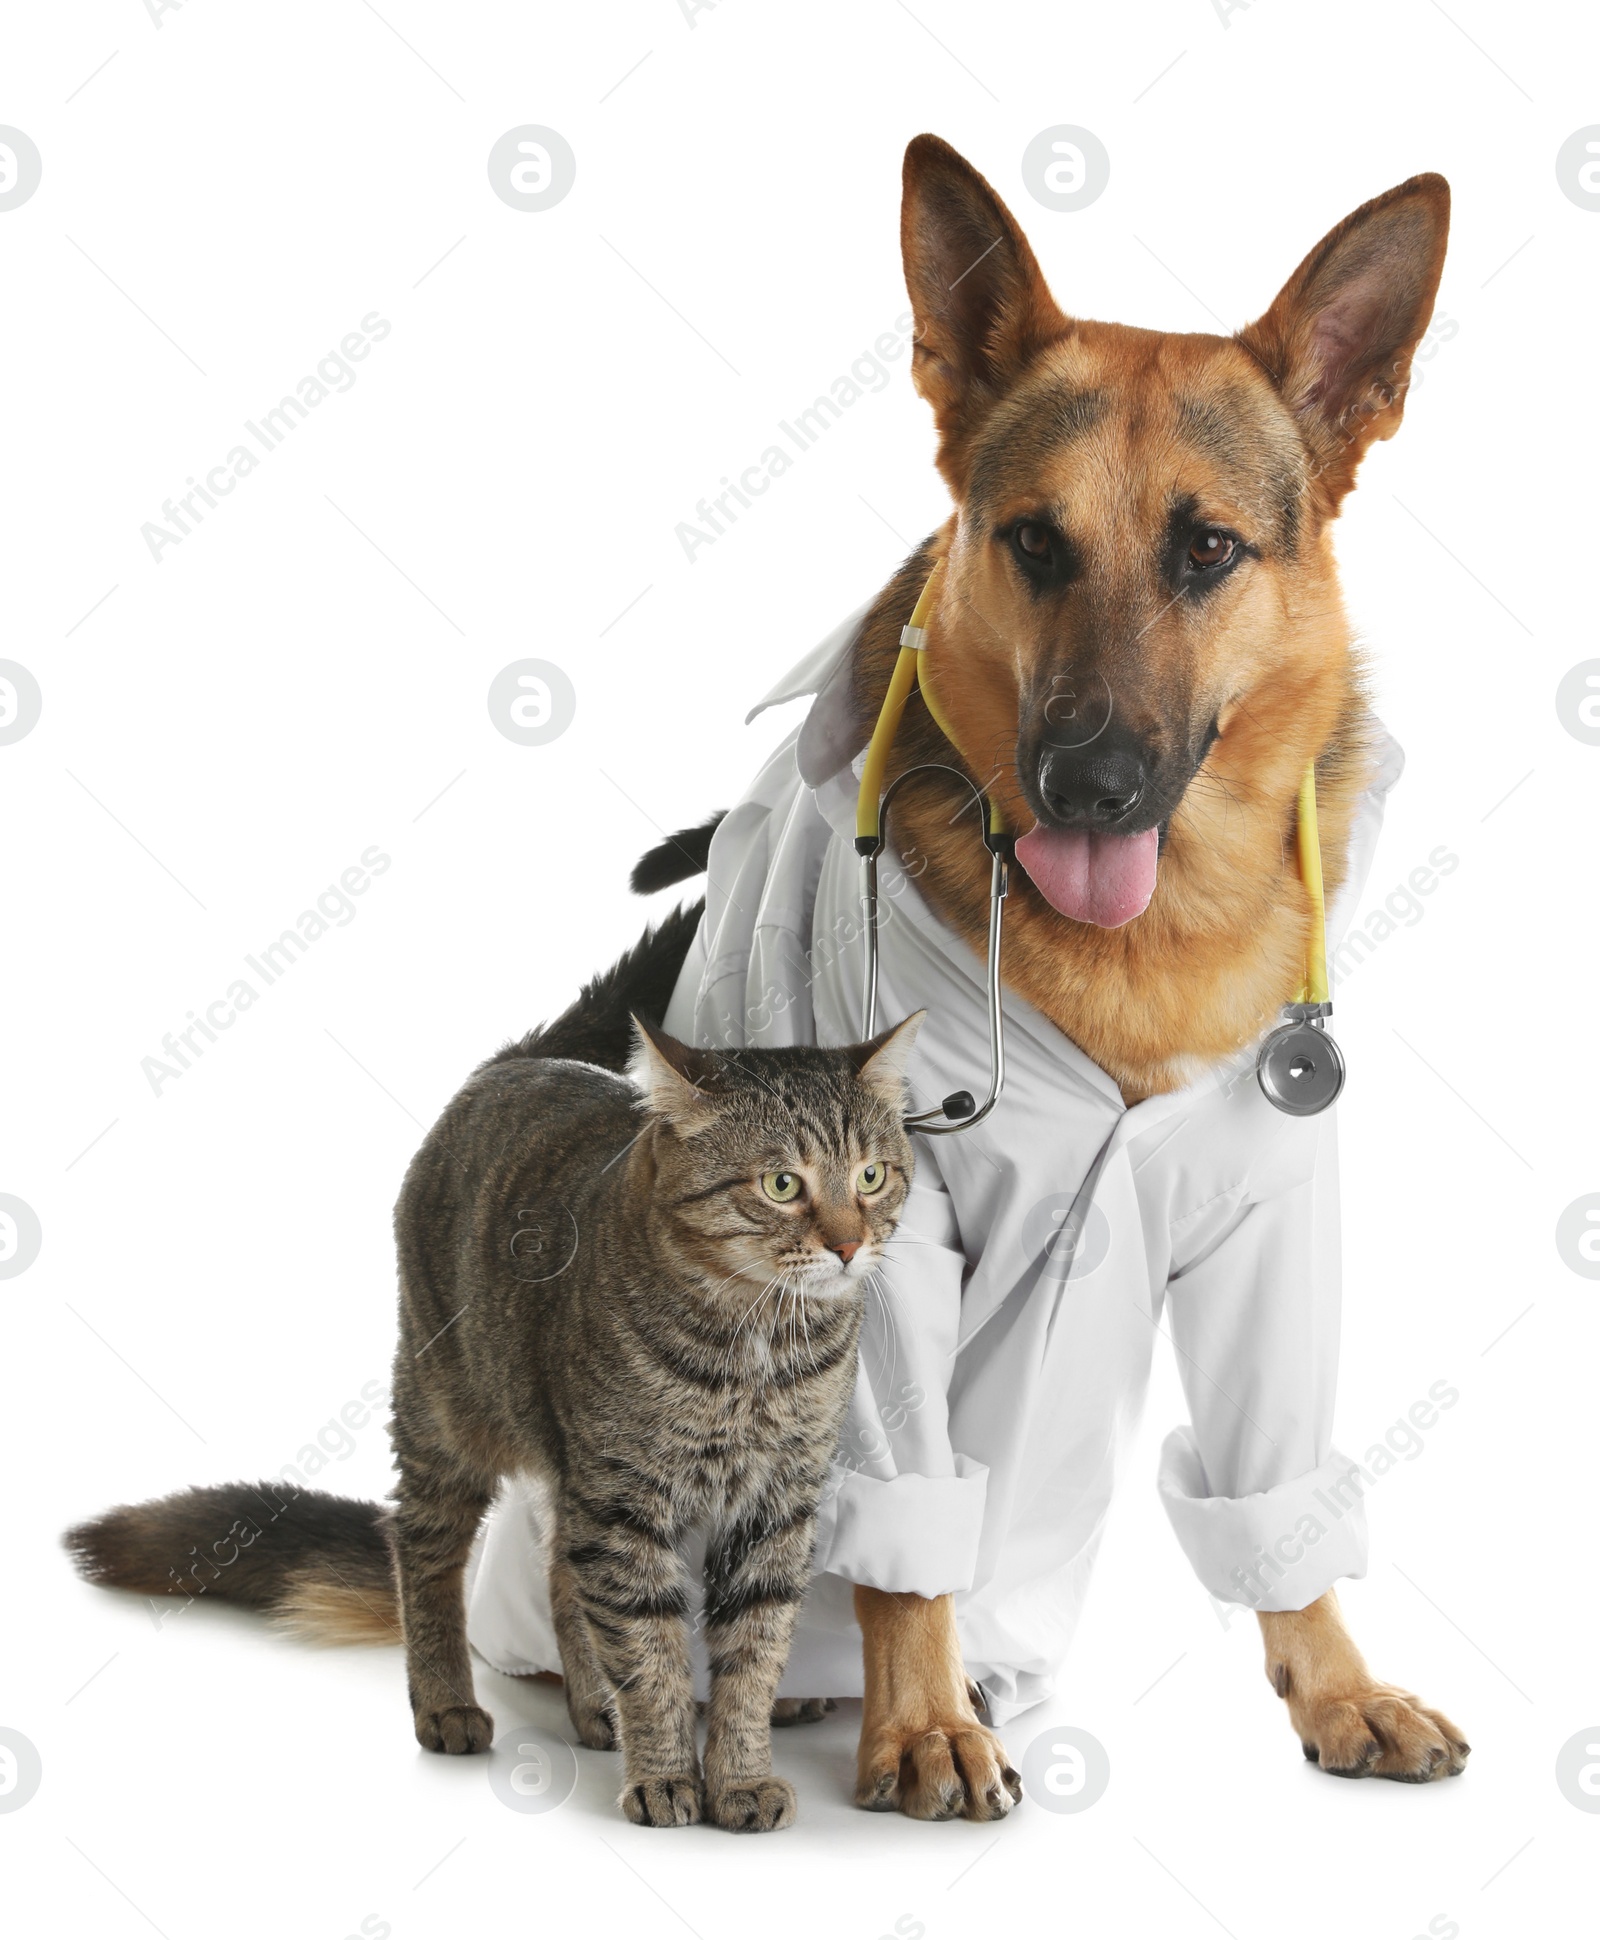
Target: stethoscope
1300	1068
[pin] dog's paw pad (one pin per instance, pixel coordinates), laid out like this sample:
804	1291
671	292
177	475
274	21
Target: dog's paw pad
1383	1733
959	1770
879	1791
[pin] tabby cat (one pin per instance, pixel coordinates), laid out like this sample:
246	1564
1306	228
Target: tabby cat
650	1294
646	1290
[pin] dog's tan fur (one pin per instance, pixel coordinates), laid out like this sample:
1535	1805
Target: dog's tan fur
1349	1722
923	1748
1101	429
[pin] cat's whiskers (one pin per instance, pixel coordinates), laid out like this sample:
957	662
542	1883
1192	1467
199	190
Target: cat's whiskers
805	1326
755	1305
883	1286
727	1280
884	1292
797	1323
759	1300
794	1322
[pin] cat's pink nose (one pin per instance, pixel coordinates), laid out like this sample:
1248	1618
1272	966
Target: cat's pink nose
847	1249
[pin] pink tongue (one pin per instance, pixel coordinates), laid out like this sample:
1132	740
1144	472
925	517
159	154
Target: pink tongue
1104	879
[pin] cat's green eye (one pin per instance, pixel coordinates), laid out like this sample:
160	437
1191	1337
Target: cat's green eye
872	1177
782	1186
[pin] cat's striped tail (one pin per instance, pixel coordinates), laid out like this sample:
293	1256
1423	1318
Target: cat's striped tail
319	1565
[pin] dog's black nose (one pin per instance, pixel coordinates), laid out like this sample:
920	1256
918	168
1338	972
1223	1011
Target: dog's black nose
1094	787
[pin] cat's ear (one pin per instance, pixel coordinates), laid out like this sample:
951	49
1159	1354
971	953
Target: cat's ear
670	1075
881	1062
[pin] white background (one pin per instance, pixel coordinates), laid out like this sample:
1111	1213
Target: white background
300	678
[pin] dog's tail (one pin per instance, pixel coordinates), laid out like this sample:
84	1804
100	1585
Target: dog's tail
676	859
598	1028
320	1565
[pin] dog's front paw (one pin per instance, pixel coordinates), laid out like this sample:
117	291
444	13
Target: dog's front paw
954	1770
675	1798
459	1728
1379	1732
752	1804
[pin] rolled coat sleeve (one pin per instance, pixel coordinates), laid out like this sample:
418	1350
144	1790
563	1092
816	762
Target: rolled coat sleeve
1268	1512
902	1510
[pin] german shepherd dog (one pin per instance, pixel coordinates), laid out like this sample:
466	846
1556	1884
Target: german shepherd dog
1141	514
1149	515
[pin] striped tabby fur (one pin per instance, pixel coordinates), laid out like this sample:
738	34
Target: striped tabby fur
596	1287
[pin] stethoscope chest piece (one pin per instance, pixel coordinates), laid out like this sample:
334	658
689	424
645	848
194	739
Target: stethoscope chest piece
1301	1069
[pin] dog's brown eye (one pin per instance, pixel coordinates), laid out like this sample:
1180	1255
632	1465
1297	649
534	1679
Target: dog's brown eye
1034	541
1210	548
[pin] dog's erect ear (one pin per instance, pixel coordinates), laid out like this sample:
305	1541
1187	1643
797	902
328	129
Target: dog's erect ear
671	1075
980	304
881	1062
1339	339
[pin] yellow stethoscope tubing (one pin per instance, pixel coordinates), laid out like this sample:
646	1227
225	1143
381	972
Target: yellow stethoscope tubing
910	670
1314	989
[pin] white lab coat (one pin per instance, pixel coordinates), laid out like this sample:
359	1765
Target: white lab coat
1039	1256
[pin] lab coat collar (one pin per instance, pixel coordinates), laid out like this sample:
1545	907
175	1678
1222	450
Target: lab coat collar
809	674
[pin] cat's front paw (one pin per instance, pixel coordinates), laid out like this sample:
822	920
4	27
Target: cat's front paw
461	1728
801	1710
674	1799
752	1804
594	1725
